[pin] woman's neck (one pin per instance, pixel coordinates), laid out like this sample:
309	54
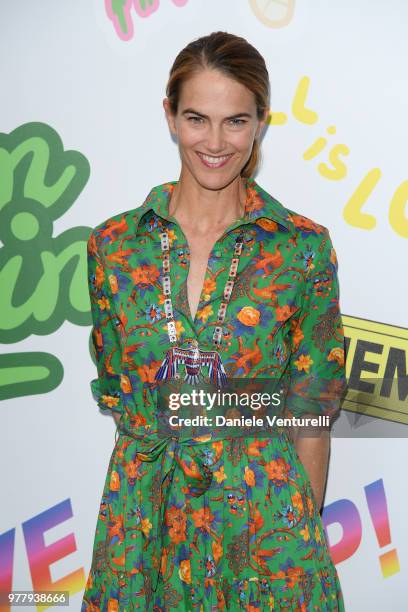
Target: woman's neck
202	211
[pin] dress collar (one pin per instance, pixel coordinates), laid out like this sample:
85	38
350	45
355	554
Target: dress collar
259	204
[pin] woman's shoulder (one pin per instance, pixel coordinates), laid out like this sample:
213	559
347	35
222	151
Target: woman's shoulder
267	205
108	235
116	224
305	225
313	238
122	222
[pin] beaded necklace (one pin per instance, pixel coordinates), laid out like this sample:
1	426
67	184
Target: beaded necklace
193	357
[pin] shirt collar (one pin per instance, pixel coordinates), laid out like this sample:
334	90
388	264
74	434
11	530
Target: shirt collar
259	204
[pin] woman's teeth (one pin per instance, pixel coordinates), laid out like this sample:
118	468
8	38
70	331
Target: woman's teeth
214	161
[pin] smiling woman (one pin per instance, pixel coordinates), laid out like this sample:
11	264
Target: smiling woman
199	119
212	279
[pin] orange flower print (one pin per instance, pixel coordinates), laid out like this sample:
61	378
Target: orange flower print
249	316
147	373
179	328
130	470
104	303
256	521
145	275
278	470
303	223
92	245
99	276
172	236
218	445
113	605
254	202
267	224
125	384
204	313
220	475
217	550
303	363
284	312
293	576
310	505
146	526
164	559
297	334
113	283
253	448
139	420
110	401
305	533
202	518
297	502
336	354
176	520
249	477
89	582
209	287
114	481
185	571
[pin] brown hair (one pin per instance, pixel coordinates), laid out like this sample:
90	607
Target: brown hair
233	56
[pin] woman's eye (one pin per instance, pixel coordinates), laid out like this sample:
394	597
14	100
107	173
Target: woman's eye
234	122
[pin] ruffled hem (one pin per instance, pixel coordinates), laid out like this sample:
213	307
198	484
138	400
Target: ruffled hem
307	592
303	592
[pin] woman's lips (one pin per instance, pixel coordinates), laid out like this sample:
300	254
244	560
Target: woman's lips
214	161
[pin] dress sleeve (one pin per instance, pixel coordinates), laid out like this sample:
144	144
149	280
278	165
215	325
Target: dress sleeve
105	334
317	380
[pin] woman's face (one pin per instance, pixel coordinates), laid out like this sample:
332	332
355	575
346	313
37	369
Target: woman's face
215	125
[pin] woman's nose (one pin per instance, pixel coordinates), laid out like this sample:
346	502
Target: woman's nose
215	139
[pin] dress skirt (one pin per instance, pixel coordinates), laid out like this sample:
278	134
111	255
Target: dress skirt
250	537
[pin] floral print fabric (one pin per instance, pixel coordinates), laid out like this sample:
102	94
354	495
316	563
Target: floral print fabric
252	538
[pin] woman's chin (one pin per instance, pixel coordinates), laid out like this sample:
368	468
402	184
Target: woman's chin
215	179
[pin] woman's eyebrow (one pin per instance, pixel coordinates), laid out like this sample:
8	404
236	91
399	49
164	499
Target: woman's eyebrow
194	112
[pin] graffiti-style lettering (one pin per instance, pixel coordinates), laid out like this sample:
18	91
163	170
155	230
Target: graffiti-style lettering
119	13
346	514
43	277
376	368
337	170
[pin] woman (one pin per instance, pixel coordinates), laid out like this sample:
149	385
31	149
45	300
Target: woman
215	524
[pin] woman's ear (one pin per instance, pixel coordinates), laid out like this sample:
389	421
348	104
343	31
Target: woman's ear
169	116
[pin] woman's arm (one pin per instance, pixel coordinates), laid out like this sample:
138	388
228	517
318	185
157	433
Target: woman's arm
105	334
314	455
317	366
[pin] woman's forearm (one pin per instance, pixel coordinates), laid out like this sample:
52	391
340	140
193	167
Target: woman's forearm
314	455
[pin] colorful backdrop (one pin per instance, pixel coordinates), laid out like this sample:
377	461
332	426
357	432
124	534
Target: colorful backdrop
83	136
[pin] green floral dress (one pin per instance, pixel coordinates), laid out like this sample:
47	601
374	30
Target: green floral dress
253	538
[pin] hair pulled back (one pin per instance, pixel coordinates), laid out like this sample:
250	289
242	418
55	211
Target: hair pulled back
236	58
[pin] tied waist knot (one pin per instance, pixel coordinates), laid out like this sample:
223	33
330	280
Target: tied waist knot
175	452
